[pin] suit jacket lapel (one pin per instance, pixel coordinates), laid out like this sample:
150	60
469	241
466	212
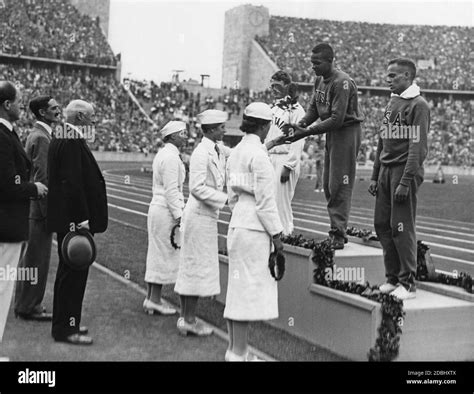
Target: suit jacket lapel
16	139
42	130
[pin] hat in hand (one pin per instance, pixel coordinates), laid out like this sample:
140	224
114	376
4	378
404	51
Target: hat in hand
78	249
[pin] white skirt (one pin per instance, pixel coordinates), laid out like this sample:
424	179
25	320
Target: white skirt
252	293
162	259
198	273
284	192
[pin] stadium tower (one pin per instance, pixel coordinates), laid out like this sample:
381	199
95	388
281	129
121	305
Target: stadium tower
245	64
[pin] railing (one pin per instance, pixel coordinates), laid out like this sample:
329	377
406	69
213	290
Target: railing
56	61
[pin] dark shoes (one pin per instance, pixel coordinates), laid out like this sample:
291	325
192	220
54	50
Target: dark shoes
83	330
76	339
337	241
37	316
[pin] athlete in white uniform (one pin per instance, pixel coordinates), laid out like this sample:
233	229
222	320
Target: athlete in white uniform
286	158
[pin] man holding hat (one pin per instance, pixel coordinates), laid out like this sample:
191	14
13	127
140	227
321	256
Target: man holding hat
77	201
166	209
198	274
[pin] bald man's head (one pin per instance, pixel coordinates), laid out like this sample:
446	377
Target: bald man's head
80	113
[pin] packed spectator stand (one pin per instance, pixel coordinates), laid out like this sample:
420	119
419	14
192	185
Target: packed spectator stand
364	48
55	29
52	29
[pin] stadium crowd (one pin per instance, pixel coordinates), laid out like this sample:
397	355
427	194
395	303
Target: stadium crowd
56	29
120	127
52	29
363	49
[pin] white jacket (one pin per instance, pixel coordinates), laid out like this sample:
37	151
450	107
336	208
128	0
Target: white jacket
168	179
206	180
291	115
250	186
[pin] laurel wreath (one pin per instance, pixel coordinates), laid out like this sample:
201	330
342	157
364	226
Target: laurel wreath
172	237
425	270
276	263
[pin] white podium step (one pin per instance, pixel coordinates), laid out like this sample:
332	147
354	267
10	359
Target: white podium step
437	327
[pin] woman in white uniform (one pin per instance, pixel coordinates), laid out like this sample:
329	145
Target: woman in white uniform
166	209
255	227
286	158
198	274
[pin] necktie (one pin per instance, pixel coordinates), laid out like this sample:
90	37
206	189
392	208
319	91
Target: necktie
217	150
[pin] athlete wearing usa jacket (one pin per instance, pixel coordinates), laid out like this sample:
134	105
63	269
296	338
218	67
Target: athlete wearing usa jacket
397	175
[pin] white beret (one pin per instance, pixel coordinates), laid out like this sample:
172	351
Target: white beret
172	127
259	110
212	116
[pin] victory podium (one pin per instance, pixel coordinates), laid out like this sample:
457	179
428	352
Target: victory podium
438	325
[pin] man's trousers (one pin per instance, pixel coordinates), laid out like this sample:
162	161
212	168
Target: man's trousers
395	225
69	289
342	147
29	295
10	255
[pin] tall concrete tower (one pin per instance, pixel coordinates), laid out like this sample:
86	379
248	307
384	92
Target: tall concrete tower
94	9
242	23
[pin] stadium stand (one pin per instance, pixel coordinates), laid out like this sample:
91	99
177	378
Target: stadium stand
121	126
52	29
55	29
364	48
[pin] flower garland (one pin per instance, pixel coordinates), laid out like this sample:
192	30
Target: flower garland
366	235
388	342
425	269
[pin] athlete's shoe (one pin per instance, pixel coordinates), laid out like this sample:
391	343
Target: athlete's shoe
403	294
387	288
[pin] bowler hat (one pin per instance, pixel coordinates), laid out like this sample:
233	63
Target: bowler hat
78	249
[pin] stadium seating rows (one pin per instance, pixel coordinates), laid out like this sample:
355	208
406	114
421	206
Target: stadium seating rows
122	127
363	49
52	29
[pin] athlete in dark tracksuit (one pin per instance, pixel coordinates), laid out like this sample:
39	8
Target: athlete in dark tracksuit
335	103
397	174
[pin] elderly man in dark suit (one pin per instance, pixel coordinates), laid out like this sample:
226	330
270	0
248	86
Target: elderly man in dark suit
15	193
29	295
77	199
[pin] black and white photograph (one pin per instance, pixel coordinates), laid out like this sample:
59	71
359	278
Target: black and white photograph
189	184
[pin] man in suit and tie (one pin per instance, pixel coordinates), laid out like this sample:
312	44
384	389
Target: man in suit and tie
16	190
77	200
29	295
